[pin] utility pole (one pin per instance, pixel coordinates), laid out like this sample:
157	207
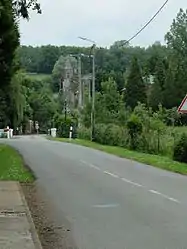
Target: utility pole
65	110
93	86
93	94
80	80
78	56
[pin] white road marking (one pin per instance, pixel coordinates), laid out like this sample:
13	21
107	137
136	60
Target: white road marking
130	182
106	205
111	174
165	196
173	199
154	192
90	165
82	161
94	167
133	183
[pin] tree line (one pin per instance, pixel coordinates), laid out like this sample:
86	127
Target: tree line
160	70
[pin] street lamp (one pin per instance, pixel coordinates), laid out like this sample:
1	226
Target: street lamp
93	84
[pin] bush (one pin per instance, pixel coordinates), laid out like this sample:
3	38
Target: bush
134	127
111	134
180	149
83	133
63	126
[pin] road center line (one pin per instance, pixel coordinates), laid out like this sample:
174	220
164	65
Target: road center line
90	165
84	162
106	205
133	183
94	167
111	174
154	192
165	196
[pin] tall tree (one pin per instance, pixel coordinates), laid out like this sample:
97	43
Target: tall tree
135	88
158	86
176	38
9	41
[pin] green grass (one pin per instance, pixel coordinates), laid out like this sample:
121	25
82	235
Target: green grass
12	166
154	160
38	76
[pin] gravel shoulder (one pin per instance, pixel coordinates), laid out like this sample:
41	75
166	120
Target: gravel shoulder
51	234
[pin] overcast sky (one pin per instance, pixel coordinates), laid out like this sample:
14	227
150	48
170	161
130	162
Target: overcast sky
104	21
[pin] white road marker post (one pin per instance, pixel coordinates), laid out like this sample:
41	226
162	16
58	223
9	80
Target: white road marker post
8	132
70	132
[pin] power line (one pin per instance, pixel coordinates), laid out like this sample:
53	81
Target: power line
145	26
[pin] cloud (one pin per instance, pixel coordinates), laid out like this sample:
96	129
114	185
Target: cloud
106	21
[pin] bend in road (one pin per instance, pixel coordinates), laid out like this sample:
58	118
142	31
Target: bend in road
110	202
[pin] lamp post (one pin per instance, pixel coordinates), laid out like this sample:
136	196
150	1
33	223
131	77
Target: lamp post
93	85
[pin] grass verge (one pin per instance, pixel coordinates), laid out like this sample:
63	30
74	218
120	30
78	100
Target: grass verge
154	160
12	167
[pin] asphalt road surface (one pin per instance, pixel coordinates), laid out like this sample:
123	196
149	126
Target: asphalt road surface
109	202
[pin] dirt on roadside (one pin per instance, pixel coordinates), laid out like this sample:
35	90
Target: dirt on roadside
51	235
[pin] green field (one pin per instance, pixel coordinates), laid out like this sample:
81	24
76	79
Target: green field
38	76
12	166
158	161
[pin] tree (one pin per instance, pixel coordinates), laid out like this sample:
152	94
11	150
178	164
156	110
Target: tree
176	81
8	45
44	107
176	38
18	99
158	86
135	88
22	7
40	104
108	105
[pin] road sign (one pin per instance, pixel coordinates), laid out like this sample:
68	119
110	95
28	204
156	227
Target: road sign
183	106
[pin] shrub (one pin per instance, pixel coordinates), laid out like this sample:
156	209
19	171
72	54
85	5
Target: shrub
63	126
180	149
83	133
134	127
111	134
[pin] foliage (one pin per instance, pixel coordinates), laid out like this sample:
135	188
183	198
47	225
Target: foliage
176	77
83	133
158	75
32	99
180	149
134	127
18	99
135	88
8	44
22	7
63	125
110	134
109	106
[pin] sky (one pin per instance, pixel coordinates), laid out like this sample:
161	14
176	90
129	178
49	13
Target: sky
104	21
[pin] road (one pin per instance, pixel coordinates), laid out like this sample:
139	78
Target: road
109	202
